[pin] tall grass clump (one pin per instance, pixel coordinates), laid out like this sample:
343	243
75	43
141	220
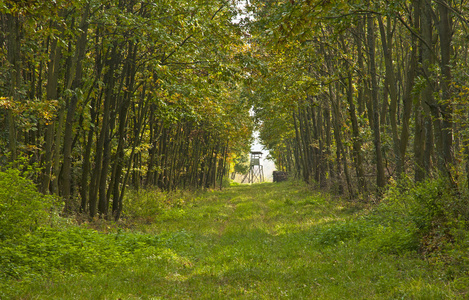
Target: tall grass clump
146	205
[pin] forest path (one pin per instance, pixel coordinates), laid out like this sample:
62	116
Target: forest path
254	241
277	241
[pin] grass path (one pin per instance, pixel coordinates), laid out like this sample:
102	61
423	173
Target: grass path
256	242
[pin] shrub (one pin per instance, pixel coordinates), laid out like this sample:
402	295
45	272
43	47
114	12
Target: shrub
416	216
410	217
22	208
226	182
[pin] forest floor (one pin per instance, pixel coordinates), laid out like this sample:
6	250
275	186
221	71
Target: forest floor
261	241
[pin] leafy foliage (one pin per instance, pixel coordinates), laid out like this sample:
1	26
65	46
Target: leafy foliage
22	208
160	79
49	251
411	218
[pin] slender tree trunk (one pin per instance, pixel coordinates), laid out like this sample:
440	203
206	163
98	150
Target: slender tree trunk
85	172
328	129
338	139
306	171
359	38
466	152
428	101
51	94
321	162
386	42
57	150
408	97
380	176
446	34
118	163
356	140
13	42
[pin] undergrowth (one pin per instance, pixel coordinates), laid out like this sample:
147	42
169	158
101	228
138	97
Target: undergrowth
429	219
146	205
22	208
267	241
36	243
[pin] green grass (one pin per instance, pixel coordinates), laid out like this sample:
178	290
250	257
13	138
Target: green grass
264	241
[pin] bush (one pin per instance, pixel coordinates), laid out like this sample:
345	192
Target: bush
430	205
411	217
226	182
22	208
417	216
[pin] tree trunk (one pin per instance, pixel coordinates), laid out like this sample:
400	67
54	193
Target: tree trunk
408	97
96	184
446	34
428	101
51	94
356	140
13	41
386	42
380	176
338	139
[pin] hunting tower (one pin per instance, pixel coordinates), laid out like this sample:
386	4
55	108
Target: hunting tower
256	170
